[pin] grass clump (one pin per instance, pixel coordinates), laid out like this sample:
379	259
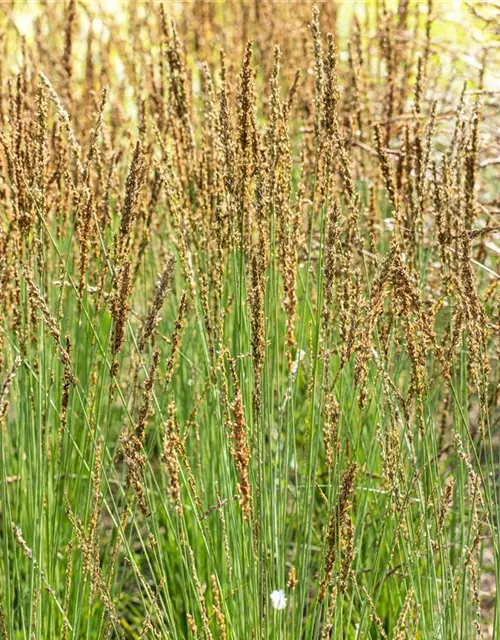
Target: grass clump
249	332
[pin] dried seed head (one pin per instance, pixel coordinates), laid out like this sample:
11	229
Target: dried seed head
153	317
240	448
292	579
176	339
171	446
133	448
337	522
219	614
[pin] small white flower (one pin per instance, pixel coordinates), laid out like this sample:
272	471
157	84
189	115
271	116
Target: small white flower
278	599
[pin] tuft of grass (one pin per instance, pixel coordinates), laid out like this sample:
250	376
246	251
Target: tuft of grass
249	339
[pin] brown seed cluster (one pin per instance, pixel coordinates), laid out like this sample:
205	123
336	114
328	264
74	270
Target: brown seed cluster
339	528
133	444
240	448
